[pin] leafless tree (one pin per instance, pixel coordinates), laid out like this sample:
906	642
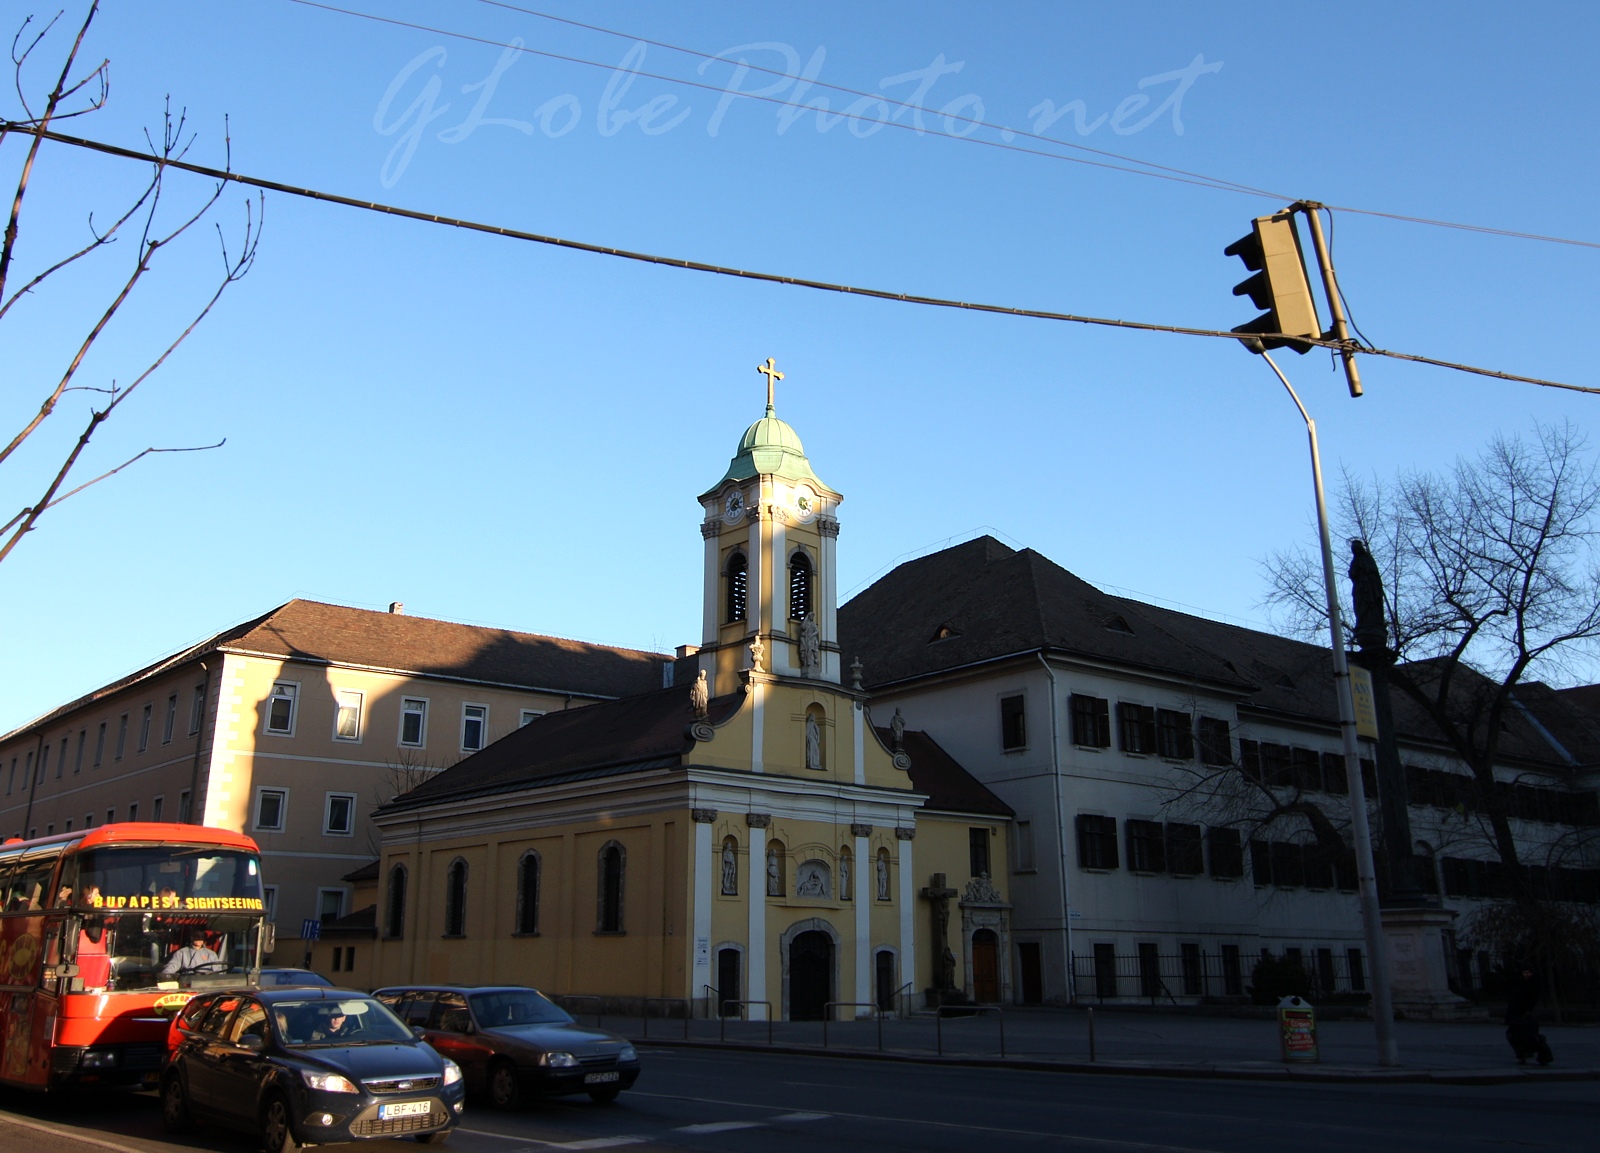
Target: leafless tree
79	92
405	772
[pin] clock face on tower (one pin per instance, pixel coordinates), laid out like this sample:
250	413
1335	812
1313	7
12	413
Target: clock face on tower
733	506
806	502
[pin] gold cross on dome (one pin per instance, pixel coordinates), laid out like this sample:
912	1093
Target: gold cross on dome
772	374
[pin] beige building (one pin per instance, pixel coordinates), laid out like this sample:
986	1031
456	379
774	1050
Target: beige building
292	727
750	836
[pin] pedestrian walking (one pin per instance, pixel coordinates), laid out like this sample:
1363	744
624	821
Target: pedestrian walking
1522	1030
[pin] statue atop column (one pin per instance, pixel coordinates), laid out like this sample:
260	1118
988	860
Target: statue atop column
1371	631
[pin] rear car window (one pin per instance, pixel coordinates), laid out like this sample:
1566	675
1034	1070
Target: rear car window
452	1015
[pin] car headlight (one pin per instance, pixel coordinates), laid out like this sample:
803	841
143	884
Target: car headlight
558	1060
328	1082
627	1053
452	1072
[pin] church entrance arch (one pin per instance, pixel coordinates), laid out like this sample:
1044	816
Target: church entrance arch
810	969
985	967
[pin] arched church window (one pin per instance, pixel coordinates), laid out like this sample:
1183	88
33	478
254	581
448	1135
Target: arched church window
394	924
529	876
455	899
730	867
775	869
613	861
799	586
738	586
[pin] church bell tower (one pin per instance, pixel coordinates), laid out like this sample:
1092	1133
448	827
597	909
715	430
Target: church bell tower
771	533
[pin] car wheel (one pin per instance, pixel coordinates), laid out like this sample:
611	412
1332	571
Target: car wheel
604	1096
504	1092
175	1113
277	1131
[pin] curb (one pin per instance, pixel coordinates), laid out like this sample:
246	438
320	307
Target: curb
1346	1075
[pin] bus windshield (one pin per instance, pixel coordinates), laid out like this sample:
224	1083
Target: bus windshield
163	877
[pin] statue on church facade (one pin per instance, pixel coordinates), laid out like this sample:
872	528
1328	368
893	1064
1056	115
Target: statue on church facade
774	875
700	695
897	726
1371	631
845	890
730	869
810	645
812	880
883	878
758	654
813	742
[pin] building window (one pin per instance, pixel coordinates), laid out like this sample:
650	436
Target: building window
529	876
122	736
1091	721
413	722
613	860
978	851
1174	735
44	763
11	779
99	746
145	716
171	722
1185	855
738	576
799	586
281	709
1147	847
77	761
197	709
1097	842
394	920
271	809
68	827
184	807
27	771
1227	853
339	815
347	715
474	720
455	899
156	806
61	765
533	715
1216	744
1137	727
88	820
330	904
133	810
1026	861
111	816
1013	724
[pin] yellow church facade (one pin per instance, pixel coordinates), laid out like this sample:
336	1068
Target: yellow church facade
750	839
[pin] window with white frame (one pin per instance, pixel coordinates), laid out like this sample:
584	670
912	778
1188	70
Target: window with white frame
269	897
347	715
272	807
413	722
197	710
111	816
184	805
474	724
99	745
330	904
281	708
156	805
530	715
339	815
133	810
172	719
144	727
122	735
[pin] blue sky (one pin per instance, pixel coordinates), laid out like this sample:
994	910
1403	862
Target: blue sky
503	433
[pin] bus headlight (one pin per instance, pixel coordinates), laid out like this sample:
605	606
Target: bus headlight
98	1059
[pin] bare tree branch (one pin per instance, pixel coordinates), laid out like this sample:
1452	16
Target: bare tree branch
110	473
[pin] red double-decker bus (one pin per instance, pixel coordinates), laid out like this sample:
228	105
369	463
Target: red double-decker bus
106	933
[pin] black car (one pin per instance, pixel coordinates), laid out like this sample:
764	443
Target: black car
512	1042
305	1066
292	977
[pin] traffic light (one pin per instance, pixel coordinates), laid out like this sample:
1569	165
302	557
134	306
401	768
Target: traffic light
1272	252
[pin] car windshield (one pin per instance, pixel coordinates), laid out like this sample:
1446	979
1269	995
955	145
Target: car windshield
515	1007
346	1021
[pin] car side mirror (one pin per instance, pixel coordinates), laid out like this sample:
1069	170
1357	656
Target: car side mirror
416	1031
252	1042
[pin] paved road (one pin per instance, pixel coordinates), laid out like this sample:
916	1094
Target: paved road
721	1102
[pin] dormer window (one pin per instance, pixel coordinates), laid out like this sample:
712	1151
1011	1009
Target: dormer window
1117	625
799	586
944	632
738	586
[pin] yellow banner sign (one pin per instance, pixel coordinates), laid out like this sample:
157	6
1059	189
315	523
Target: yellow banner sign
176	904
1366	703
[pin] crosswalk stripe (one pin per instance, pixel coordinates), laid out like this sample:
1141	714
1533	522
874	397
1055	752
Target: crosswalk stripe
600	1142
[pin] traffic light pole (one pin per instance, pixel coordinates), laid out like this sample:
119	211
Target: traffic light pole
1330	288
1371	917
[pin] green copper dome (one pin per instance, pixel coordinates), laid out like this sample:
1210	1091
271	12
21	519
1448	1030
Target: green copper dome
769	447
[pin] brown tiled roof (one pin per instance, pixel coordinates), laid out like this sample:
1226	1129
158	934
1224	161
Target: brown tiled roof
639	732
950	787
367	872
997	602
361	923
337	634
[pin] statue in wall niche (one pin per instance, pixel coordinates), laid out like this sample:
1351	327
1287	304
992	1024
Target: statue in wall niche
810	643
812	880
813	742
883	878
700	695
774	877
844	879
897	726
730	870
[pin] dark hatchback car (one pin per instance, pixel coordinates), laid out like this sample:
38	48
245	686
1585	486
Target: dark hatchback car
513	1043
292	977
305	1066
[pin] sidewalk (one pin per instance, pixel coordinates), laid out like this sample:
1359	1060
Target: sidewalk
1153	1043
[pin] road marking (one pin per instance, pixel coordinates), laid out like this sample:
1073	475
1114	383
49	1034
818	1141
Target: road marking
719	1126
803	1117
70	1134
591	1143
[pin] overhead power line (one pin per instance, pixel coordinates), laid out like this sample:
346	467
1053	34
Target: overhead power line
743	273
1140	167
